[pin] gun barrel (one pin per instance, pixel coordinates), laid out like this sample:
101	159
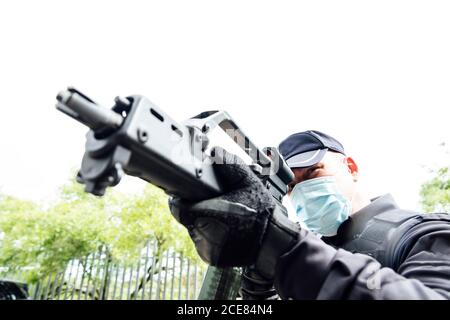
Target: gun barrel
84	110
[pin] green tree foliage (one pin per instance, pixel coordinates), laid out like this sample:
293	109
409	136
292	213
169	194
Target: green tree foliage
44	240
435	193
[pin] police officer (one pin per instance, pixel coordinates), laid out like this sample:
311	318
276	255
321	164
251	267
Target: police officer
354	248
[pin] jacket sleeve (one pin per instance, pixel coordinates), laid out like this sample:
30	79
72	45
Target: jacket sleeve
314	270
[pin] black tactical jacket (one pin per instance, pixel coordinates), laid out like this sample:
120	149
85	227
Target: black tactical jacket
380	252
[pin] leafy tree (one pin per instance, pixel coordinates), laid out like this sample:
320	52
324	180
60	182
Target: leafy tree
45	240
435	193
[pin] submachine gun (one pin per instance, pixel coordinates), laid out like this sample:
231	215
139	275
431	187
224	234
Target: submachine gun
137	138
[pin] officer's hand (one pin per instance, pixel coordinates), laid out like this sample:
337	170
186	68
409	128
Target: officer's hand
232	229
228	230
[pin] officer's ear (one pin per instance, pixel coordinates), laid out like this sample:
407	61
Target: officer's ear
352	167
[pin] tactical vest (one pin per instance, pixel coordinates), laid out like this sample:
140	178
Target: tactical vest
388	237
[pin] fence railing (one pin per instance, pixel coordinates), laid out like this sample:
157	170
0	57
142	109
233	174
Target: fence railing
168	275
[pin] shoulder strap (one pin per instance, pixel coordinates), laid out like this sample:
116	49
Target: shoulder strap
379	232
389	236
407	235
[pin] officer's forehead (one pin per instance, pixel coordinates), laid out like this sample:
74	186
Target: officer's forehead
329	158
330	162
333	156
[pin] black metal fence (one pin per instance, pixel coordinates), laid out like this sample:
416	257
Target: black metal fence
167	275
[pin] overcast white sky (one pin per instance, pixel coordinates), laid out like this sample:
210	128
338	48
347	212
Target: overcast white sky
374	74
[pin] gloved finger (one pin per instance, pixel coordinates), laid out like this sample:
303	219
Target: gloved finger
209	236
232	170
180	210
220	209
186	212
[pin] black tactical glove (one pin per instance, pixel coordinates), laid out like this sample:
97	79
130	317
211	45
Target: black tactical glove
243	226
254	286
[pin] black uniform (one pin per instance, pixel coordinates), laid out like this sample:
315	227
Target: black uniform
380	252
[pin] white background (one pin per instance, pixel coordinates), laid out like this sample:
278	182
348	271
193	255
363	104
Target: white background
374	74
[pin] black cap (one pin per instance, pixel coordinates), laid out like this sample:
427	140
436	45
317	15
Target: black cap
304	149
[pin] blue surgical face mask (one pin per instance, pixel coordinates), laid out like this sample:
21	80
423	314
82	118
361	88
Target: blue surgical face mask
320	205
